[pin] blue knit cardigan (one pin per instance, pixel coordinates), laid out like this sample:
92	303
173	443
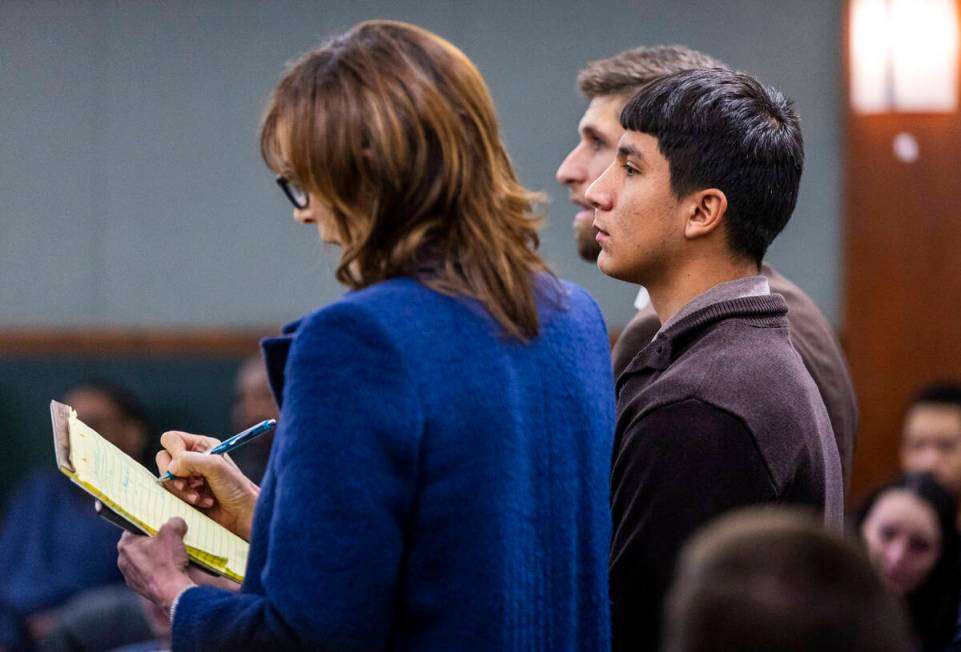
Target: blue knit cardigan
433	485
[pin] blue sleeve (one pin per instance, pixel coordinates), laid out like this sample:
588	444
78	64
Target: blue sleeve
345	470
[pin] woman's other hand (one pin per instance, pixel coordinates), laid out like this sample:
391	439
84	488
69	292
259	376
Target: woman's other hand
211	483
201	577
156	567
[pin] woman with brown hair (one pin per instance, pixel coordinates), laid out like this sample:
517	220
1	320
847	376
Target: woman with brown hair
439	477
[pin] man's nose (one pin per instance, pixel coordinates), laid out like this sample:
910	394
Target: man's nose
598	197
571	169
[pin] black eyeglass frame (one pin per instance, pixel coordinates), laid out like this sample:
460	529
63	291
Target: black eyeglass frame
285	185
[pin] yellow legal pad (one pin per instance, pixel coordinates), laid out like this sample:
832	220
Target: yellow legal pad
132	492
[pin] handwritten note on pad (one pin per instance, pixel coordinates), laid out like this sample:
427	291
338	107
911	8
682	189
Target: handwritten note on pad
130	490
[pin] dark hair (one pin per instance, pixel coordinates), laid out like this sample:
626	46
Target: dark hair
933	606
723	129
772	578
394	130
127	404
627	71
125	401
941	393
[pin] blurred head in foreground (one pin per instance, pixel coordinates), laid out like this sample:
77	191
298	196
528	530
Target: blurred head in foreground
773	579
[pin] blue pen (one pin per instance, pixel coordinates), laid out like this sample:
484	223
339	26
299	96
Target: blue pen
231	443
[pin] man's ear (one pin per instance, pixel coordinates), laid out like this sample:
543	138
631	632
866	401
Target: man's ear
706	209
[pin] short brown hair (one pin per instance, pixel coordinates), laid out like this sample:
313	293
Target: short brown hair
625	73
773	578
394	130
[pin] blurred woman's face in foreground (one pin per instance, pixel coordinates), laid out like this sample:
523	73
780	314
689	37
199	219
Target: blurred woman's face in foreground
903	539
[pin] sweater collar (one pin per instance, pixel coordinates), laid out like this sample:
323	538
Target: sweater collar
748	286
761	310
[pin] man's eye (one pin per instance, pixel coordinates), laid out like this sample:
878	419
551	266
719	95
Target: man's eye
597	143
629	170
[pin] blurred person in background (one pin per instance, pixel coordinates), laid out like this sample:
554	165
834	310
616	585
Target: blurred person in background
931	436
53	546
253	402
774	580
908	529
112	617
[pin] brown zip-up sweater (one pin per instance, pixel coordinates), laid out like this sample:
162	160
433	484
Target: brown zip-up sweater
812	336
717	412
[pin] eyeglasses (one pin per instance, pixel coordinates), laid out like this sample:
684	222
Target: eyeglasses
297	195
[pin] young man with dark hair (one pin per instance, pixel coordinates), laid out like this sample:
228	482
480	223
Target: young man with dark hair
718	411
609	84
931	438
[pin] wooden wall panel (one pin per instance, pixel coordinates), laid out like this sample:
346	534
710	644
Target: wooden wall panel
902	273
141	342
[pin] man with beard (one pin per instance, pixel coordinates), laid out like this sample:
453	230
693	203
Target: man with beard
608	84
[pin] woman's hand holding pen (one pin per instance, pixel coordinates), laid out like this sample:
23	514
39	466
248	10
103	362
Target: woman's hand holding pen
212	483
157	567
